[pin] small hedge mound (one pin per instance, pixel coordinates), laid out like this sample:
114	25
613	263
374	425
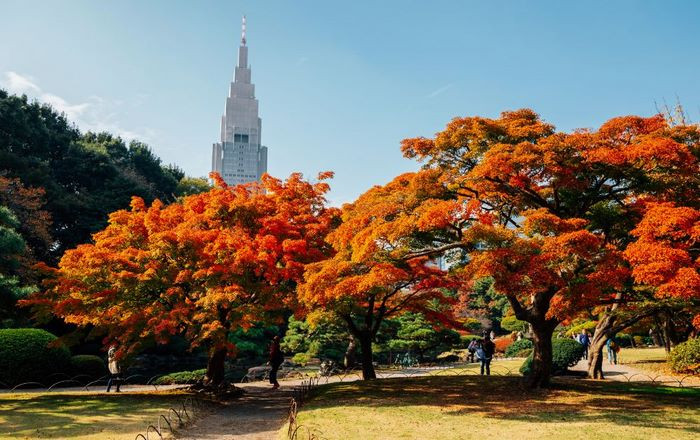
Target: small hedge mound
685	357
565	353
181	377
88	364
26	356
518	347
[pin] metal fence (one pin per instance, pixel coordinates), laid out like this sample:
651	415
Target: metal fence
174	419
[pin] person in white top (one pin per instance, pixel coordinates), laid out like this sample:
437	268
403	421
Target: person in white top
114	370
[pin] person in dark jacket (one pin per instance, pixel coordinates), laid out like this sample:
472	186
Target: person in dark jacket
276	359
488	348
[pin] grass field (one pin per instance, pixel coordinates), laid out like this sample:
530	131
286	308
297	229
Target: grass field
466	407
81	416
649	359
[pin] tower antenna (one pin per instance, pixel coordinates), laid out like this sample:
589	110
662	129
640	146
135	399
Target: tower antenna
243	32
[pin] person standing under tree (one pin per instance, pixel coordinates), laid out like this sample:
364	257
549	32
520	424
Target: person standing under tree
114	369
276	359
488	348
613	348
585	341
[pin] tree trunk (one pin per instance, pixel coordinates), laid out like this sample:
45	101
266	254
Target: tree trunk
595	357
542	354
215	367
595	351
367	364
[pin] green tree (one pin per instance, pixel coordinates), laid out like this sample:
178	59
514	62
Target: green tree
411	332
12	246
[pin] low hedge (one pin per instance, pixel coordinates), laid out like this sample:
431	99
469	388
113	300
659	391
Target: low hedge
565	353
518	347
685	357
181	377
28	355
88	364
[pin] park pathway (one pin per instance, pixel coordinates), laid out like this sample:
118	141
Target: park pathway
257	415
625	373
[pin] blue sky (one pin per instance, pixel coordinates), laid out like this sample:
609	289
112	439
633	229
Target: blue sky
341	83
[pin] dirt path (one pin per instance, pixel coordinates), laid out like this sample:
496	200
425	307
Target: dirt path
625	373
258	415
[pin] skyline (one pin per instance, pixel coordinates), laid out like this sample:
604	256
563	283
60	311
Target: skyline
339	85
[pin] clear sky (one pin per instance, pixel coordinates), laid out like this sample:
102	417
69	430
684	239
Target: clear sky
341	83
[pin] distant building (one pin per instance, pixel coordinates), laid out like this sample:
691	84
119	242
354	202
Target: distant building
240	157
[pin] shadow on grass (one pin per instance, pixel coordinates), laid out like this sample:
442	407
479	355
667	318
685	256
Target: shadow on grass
68	415
507	398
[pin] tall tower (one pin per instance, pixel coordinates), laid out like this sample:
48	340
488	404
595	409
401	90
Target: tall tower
239	156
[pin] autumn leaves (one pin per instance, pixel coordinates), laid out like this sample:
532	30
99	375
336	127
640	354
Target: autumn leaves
565	223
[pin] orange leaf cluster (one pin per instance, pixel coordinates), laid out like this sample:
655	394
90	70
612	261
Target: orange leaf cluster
201	267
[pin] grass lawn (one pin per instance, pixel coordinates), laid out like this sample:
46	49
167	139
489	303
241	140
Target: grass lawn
81	416
472	407
653	359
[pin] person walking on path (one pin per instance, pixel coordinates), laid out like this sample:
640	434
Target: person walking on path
613	348
488	348
584	340
473	345
276	359
114	369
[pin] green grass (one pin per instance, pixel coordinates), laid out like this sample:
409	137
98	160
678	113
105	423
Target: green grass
81	416
472	407
649	359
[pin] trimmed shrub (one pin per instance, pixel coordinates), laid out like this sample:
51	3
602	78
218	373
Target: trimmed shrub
28	355
513	324
623	340
586	325
88	364
301	358
638	340
502	343
565	353
685	357
181	377
518	347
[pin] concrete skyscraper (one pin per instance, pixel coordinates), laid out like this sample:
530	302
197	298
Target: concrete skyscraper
239	156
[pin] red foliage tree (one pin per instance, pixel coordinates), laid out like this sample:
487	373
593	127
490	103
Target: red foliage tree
202	267
584	189
376	273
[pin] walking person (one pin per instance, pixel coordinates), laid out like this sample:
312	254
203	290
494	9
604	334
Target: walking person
473	345
276	359
584	340
488	348
613	348
114	369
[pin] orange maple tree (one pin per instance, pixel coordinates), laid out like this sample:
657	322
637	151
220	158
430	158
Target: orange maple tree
201	267
376	272
584	186
666	254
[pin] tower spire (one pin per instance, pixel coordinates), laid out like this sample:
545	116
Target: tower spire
243	32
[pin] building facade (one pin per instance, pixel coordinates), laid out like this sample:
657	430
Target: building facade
239	156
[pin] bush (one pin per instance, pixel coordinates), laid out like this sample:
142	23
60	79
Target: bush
513	324
181	377
301	358
565	353
638	340
26	356
518	347
586	325
623	340
685	357
88	364
502	343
